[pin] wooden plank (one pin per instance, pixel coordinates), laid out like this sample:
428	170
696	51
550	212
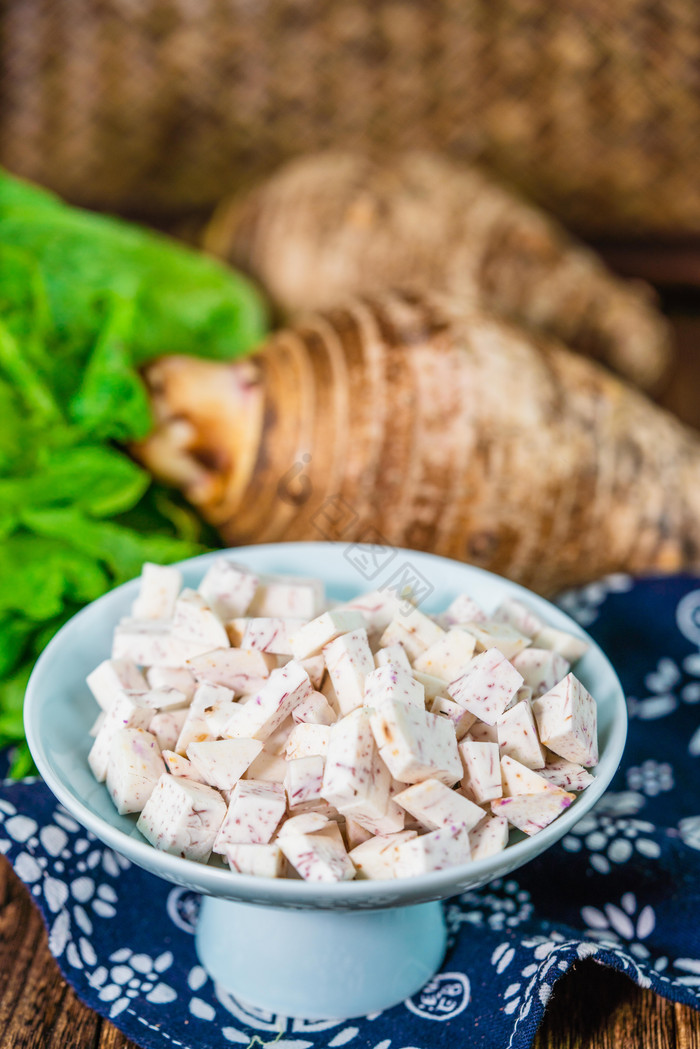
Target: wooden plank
596	1007
111	1038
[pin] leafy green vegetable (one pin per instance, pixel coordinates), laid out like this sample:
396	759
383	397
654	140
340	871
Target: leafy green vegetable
111	400
84	301
183	298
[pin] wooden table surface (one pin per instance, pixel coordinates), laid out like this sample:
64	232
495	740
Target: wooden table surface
591	1008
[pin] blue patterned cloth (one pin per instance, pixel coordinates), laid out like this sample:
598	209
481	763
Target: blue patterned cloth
623	887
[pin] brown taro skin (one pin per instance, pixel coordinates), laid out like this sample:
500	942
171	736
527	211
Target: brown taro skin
329	225
401	418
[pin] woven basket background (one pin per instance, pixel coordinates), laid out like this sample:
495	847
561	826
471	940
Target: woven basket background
158	107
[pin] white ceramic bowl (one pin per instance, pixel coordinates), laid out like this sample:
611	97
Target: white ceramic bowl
301	919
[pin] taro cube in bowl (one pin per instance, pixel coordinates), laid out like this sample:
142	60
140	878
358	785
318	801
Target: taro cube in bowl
253	723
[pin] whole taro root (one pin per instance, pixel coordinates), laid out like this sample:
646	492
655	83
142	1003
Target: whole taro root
397	420
331	225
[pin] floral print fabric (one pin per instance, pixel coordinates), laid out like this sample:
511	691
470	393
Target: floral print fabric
623	885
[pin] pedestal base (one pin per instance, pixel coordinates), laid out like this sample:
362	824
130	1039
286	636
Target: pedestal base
320	964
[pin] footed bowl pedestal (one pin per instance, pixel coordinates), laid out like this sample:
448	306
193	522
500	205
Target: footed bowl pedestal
320	964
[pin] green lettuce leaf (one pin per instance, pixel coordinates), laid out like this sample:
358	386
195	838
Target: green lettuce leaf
85	300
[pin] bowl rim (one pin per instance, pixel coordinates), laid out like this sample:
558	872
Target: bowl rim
221	881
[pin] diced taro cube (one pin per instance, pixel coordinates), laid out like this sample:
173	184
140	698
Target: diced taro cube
489	838
378	607
435	805
487	686
269	767
304	780
195	620
567	721
135	766
462	610
532	812
566	774
353	775
222	762
393	683
97	724
310	639
253	814
207	714
414	631
182	817
448	657
271	634
519	779
490	634
160	585
541	669
179	766
518	615
395	654
172	677
243	671
355	834
167	726
349	661
152	643
304	823
317	857
113	676
263	861
480	732
446	847
163	699
228	589
416	745
432	686
376	857
571	647
314	710
517	736
461	719
482	771
288	597
272	704
315	667
306	740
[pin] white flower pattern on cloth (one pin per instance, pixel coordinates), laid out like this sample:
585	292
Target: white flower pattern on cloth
689	831
651	777
75	903
665	682
631	924
583	604
666	692
131	975
501	904
626	922
610	838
